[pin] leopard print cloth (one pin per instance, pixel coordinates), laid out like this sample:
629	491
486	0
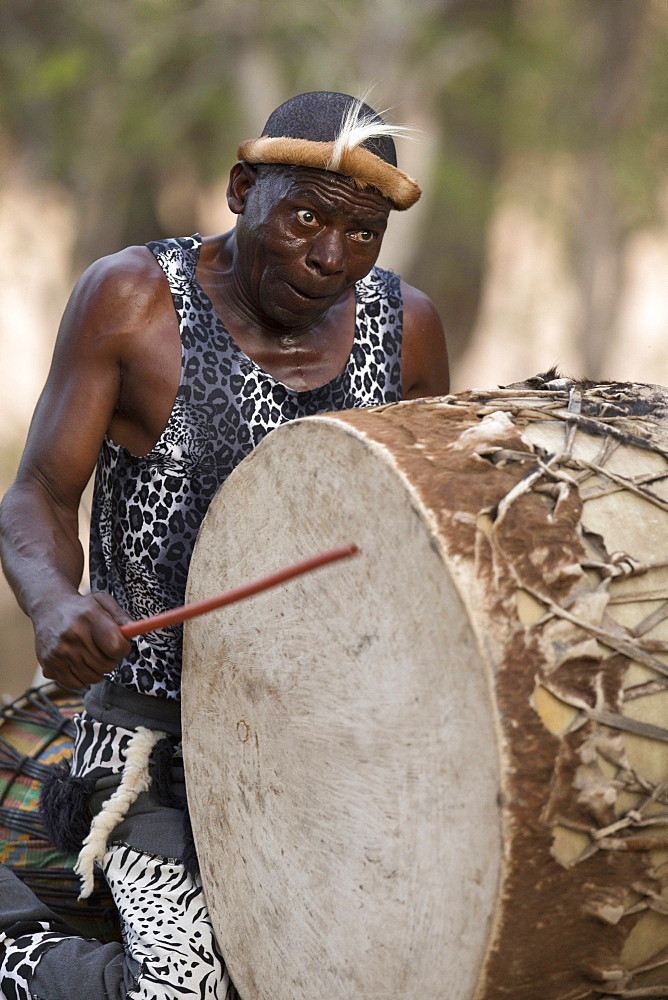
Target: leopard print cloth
147	510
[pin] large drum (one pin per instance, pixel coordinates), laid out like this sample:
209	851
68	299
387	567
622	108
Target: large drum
439	769
36	734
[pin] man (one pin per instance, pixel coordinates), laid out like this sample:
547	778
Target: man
172	362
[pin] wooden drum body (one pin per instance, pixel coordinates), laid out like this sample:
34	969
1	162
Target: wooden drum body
439	769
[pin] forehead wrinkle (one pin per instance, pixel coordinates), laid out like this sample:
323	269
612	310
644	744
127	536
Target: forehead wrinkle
323	196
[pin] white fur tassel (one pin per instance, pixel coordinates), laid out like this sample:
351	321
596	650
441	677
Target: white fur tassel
135	780
357	127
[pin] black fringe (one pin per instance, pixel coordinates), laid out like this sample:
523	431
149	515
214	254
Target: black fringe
160	770
65	804
64	807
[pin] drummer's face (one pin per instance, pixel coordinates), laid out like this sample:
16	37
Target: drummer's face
303	239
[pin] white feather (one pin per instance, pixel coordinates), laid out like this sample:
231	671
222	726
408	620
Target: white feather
358	126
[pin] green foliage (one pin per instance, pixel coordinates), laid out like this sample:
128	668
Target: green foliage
119	99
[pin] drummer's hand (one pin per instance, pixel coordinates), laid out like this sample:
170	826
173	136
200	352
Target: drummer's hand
78	639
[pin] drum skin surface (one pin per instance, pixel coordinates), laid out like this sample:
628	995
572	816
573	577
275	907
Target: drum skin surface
439	769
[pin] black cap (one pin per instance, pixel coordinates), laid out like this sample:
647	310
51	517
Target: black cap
318	116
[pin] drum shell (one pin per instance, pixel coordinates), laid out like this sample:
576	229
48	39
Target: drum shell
36	734
577	911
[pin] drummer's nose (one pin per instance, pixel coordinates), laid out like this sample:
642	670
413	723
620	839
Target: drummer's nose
327	251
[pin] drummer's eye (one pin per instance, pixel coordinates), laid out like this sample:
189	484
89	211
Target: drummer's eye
364	236
307	217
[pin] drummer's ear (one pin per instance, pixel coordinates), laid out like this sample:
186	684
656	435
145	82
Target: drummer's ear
242	178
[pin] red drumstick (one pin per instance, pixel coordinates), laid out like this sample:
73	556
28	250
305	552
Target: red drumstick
177	615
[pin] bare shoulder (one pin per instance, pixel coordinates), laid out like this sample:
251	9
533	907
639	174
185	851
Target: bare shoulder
120	324
425	369
114	371
115	291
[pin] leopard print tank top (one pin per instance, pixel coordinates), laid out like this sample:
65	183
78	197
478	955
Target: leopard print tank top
147	510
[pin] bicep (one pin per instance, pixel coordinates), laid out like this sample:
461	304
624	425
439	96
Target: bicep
66	433
425	368
75	406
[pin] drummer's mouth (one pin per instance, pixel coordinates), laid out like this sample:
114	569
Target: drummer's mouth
312	295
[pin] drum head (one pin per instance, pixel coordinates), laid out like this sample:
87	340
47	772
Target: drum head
340	734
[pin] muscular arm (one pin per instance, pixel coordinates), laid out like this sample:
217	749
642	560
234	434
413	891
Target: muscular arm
77	638
424	366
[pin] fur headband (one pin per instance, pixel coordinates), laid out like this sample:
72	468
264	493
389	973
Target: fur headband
356	162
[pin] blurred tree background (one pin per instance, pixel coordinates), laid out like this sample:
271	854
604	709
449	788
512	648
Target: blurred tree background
541	236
